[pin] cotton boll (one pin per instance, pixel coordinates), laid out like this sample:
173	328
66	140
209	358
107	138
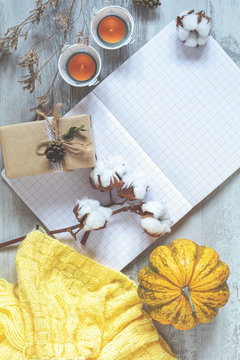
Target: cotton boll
154	227
118	164
106	172
85	206
97	219
94	174
192	41
203	28
106	177
106	211
157	208
166	216
190	22
202	40
137	183
193	28
182	33
140	190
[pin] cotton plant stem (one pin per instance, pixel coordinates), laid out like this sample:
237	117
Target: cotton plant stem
112	202
137	209
52	232
111	197
85	238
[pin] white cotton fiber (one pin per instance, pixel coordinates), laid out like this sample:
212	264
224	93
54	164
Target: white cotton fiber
157	208
106	169
192	40
138	181
202	40
182	33
85	206
106	211
119	165
203	28
194	28
155	227
97	218
106	177
190	22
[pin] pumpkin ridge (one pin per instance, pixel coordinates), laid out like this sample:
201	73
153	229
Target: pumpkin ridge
198	305
156	291
149	270
209	271
151	299
211	289
214	298
174	260
207	305
209	274
177	320
185	241
154	309
195	263
157	271
160	306
202	247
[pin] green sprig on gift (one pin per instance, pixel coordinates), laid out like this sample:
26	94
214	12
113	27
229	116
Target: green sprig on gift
69	135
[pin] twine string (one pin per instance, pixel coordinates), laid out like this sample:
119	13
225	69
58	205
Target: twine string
74	147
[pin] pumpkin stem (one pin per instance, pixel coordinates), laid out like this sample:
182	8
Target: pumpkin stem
186	292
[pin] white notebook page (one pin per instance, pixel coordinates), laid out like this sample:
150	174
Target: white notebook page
52	196
183	106
173	113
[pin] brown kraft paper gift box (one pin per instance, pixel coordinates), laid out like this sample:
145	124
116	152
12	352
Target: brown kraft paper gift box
19	144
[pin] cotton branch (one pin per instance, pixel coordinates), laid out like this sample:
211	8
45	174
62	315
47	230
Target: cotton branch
115	175
68	229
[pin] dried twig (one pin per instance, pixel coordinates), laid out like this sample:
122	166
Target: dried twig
52	232
132	208
30	62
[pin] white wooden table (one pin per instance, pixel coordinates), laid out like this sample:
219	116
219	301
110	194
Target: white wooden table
214	222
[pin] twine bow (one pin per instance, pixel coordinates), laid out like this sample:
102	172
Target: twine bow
74	147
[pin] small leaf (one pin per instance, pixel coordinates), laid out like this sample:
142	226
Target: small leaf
68	135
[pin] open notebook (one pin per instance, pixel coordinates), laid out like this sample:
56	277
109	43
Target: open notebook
170	111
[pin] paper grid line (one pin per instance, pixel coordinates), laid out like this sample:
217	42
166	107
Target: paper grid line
172	112
52	196
182	105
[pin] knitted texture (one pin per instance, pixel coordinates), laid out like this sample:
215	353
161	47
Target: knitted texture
72	308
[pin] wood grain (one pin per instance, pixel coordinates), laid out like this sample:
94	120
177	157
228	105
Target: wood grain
213	222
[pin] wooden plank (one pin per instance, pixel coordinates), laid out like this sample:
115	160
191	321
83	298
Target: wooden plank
214	222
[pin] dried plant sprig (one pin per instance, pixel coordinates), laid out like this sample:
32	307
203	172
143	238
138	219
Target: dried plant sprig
30	62
12	35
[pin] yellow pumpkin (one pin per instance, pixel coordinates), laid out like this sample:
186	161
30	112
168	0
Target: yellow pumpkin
184	284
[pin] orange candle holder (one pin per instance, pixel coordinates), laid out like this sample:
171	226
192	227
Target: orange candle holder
112	27
80	65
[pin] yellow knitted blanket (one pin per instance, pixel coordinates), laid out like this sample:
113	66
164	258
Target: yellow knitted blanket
66	306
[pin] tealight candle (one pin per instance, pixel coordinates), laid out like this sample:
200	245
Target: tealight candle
81	66
111	29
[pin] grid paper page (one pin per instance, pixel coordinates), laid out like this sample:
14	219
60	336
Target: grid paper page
182	106
52	196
